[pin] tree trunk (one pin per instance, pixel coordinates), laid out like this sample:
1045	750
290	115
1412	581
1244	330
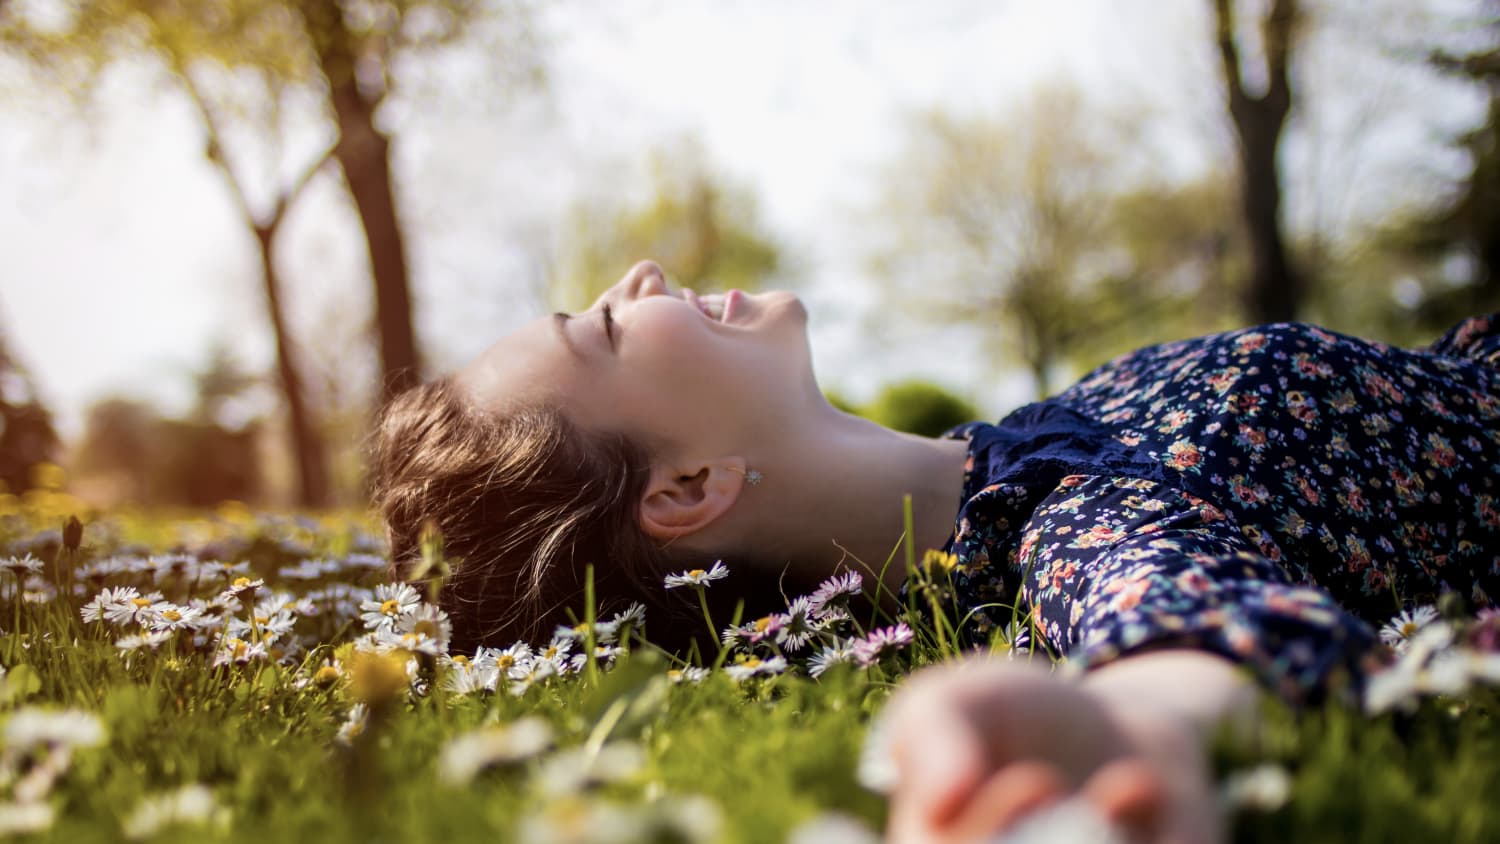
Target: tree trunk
1275	289
307	443
364	155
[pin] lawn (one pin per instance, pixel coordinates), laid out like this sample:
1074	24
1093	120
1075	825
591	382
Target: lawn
248	677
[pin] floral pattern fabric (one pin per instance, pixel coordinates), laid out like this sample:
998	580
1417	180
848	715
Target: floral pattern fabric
1264	494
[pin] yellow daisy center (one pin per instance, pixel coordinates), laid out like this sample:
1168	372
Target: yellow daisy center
241	582
389	606
505	661
426	627
326	676
460	660
761	624
140	602
260	619
696	573
171	615
1408	628
752	662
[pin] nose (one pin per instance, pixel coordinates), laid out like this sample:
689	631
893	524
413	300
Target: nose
645	279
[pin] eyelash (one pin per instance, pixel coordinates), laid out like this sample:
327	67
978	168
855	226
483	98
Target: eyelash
609	324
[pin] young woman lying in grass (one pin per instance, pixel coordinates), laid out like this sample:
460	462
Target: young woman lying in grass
1187	524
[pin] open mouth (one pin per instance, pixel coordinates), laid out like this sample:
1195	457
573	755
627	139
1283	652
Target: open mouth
718	307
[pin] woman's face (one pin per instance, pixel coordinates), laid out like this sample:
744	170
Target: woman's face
683	375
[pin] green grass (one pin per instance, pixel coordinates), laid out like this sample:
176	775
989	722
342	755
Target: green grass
764	756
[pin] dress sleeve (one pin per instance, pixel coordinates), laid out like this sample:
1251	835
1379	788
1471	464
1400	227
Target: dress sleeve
1113	566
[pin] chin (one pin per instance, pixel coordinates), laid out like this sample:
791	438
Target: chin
785	304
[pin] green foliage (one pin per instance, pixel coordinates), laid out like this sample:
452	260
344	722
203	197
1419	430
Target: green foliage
703	230
1036	226
919	407
261	736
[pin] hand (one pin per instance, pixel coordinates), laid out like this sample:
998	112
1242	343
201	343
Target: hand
980	745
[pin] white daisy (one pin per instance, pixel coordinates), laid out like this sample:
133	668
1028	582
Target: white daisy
556	653
134	611
170	616
25	818
230	649
798	628
767	628
428	622
243	586
191	805
24	564
603	654
33	727
536	671
151	639
513	662
100	604
353	725
831	655
753	666
881	641
698	577
464	677
604	632
1399	631
690	674
390	603
836	590
465	756
633	616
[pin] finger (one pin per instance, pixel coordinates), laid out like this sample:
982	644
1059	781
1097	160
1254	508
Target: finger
939	761
1010	794
1131	795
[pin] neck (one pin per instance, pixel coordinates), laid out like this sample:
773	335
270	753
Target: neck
835	495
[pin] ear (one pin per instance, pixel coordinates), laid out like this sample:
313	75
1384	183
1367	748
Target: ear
684	498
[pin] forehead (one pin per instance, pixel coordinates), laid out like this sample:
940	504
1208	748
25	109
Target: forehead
530	364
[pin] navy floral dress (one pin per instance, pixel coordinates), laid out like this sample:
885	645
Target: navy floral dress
1265	494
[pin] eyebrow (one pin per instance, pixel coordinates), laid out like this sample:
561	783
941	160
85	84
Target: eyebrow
562	334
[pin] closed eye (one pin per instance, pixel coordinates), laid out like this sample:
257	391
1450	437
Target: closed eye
609	325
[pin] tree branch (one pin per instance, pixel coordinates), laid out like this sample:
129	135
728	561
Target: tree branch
287	197
1277	34
1229	54
215	150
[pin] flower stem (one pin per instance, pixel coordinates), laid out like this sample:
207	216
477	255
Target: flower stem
713	632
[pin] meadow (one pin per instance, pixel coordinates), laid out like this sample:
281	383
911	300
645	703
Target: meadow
234	676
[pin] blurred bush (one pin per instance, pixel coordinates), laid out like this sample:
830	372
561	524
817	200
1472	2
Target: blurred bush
130	453
27	438
919	407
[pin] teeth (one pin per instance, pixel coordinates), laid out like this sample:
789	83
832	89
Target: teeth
712	306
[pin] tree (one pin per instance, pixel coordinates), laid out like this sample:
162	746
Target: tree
1005	223
337	54
1275	290
1457	245
27	437
704	231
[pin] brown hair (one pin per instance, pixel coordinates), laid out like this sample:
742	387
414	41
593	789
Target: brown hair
524	501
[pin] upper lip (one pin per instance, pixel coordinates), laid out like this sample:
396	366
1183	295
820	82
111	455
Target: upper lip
696	301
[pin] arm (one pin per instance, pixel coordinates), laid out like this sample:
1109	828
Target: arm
1200	690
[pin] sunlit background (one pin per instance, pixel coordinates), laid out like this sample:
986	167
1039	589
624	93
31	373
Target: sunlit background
978	200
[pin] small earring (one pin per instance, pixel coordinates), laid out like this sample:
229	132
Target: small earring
753	477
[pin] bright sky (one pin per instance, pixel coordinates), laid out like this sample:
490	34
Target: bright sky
125	261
